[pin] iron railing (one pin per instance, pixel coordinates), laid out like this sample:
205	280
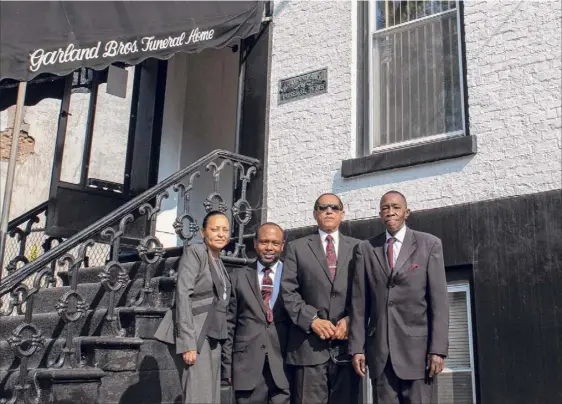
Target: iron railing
27	241
19	288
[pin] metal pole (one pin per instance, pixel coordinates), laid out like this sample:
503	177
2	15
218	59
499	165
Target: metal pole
11	172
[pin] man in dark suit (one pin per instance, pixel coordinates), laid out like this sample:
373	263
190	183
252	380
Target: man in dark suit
257	326
315	285
399	308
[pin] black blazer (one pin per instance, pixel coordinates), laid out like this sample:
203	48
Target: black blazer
404	314
307	289
250	337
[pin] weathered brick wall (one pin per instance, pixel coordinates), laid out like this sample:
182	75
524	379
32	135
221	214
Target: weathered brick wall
514	72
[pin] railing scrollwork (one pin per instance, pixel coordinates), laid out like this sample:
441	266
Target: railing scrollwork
71	257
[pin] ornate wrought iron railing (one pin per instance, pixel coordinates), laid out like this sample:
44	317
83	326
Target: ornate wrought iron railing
17	290
27	241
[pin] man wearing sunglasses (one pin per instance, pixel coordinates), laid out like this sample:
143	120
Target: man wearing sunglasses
314	287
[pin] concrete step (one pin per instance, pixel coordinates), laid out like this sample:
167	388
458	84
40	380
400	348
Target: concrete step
50	325
144	387
94	295
43	357
135	270
115	354
61	386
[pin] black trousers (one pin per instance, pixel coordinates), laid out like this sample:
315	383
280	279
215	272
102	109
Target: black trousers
390	389
327	383
265	392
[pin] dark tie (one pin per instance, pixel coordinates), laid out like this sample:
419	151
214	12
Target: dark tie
266	291
331	256
390	253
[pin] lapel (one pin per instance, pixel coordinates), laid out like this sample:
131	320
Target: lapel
378	248
343	253
408	248
214	275
252	276
315	243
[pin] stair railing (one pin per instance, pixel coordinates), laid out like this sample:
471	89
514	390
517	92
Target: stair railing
18	289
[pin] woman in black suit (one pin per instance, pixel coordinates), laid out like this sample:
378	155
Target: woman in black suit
197	324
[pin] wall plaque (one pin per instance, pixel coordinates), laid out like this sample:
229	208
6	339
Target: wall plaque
305	85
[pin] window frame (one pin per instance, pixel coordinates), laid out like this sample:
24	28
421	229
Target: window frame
464	286
370	117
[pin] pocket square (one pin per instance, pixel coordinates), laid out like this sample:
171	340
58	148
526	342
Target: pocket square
414	266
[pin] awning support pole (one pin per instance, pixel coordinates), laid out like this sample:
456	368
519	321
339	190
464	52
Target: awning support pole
11	172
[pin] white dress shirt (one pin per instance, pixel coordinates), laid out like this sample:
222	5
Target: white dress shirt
335	235
275	275
397	243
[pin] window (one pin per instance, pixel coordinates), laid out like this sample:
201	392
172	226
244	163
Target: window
415	72
456	384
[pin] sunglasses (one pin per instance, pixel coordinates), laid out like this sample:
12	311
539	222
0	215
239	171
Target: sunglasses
324	206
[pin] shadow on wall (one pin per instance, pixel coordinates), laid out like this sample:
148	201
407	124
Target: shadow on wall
399	175
148	390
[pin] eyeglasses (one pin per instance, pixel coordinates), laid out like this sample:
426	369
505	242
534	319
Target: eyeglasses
325	206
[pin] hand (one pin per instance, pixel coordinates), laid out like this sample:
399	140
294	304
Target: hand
359	364
323	328
190	357
435	364
228	380
341	329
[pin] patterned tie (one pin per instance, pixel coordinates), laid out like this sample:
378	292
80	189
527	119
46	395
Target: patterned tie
266	291
390	253
331	256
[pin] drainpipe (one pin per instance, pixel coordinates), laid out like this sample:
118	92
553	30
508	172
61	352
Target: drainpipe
22	87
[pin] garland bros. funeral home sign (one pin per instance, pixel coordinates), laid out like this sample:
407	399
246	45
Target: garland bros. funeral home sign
115	49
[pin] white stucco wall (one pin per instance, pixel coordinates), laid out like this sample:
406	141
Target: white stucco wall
513	54
199	117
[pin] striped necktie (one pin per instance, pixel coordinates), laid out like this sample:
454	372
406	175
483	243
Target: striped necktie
266	292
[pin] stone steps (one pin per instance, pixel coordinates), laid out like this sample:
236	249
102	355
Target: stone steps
117	362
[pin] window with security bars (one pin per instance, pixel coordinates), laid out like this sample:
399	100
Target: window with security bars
456	384
416	71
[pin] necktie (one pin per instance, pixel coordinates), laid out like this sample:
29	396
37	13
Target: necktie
331	256
266	291
390	253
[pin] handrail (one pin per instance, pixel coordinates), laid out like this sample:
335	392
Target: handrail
27	215
22	273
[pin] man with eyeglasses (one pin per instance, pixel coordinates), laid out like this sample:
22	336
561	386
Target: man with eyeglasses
314	287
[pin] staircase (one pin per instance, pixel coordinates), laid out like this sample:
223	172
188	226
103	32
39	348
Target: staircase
76	334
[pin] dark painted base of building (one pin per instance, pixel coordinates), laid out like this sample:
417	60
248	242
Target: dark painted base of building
510	250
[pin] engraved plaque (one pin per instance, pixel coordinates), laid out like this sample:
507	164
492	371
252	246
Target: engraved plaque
303	86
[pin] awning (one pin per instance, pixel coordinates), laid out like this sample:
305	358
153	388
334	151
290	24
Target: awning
59	37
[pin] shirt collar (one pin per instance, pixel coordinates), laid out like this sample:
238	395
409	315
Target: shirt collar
335	235
398	236
272	267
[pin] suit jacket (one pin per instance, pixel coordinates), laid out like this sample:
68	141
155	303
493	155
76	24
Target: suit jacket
405	315
250	337
197	286
307	289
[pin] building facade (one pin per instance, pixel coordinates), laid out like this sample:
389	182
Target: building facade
458	106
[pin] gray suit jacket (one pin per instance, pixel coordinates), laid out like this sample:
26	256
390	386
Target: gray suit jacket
250	336
405	315
307	289
196	288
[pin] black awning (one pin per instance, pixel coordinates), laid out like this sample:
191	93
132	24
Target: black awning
59	37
